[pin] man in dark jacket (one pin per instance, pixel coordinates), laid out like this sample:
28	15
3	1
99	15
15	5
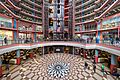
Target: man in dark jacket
5	40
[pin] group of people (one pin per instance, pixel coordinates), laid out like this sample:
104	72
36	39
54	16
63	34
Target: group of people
86	66
5	60
114	71
113	40
27	40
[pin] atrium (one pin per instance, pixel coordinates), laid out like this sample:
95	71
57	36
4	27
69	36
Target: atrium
59	39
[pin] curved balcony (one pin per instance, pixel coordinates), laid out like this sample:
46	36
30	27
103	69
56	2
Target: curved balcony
83	4
91	7
38	23
14	15
37	5
93	13
88	21
111	7
15	45
96	10
30	8
13	5
30	15
86	31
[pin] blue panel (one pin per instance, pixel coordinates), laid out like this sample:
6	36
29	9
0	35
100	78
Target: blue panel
35	36
15	35
98	37
96	52
18	53
113	59
0	62
15	24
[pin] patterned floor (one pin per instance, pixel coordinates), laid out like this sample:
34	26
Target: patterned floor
38	69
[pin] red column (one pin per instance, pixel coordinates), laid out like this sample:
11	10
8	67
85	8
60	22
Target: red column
96	59
96	56
31	55
112	67
84	54
113	62
18	61
0	71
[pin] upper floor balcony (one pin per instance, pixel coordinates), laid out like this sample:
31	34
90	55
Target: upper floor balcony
28	14
85	15
110	7
12	4
78	42
32	9
2	5
84	4
84	10
34	3
102	6
87	21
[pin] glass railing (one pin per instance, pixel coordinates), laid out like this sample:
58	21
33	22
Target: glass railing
80	40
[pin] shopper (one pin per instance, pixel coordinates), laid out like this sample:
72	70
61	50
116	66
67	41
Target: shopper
94	68
114	72
112	40
85	65
7	65
117	40
103	67
5	40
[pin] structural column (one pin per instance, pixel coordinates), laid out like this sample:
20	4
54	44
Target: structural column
31	55
98	34
43	50
118	31
73	51
113	62
96	56
84	54
18	57
0	67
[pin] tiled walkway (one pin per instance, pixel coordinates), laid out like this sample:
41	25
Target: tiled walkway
37	69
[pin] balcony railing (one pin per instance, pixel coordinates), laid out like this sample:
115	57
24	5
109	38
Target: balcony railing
86	3
80	40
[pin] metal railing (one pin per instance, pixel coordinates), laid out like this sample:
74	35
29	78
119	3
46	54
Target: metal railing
80	40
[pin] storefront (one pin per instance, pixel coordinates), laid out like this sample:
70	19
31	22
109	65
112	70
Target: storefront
6	33
5	22
110	27
38	28
107	34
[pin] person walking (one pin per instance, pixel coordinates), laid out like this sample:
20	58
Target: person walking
85	65
103	67
117	40
5	40
94	68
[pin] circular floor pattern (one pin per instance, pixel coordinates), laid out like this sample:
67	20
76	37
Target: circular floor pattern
72	66
58	69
